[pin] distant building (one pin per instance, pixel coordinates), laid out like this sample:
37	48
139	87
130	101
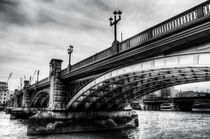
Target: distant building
151	95
11	94
158	93
4	93
193	94
166	93
174	92
188	94
4	96
3	86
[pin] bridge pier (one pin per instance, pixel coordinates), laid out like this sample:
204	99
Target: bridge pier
21	113
54	122
57	87
15	104
20	109
26	95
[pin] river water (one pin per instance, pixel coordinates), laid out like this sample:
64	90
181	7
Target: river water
152	124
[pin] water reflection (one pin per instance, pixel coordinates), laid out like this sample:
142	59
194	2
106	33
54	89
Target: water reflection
90	135
171	125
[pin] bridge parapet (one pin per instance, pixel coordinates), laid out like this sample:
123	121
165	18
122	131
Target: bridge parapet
185	19
26	95
44	82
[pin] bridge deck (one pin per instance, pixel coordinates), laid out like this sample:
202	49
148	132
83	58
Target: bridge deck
186	29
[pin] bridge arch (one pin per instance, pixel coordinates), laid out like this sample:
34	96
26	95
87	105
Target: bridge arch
40	99
119	87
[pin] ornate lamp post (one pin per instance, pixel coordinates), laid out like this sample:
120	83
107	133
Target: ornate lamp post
115	22
70	50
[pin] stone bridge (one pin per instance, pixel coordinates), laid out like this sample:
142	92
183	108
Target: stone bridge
174	52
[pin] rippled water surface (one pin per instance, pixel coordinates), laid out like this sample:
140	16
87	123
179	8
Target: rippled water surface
152	124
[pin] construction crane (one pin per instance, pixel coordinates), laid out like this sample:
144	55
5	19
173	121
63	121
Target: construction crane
5	88
21	83
37	77
33	77
36	73
9	77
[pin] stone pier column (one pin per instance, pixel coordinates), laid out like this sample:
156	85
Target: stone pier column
15	104
26	95
57	88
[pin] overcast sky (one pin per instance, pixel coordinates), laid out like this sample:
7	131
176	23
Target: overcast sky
32	32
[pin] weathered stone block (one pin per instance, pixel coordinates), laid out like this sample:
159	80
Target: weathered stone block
60	92
59	88
59	98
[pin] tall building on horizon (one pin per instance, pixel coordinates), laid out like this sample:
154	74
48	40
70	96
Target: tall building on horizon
3	86
4	93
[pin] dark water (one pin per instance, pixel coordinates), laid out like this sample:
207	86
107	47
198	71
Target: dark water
153	124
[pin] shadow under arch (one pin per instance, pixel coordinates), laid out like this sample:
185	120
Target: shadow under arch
41	99
117	92
112	89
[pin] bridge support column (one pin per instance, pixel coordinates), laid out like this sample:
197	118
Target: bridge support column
15	104
57	87
26	95
20	108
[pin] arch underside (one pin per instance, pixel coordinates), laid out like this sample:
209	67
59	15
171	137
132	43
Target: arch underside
117	92
41	99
